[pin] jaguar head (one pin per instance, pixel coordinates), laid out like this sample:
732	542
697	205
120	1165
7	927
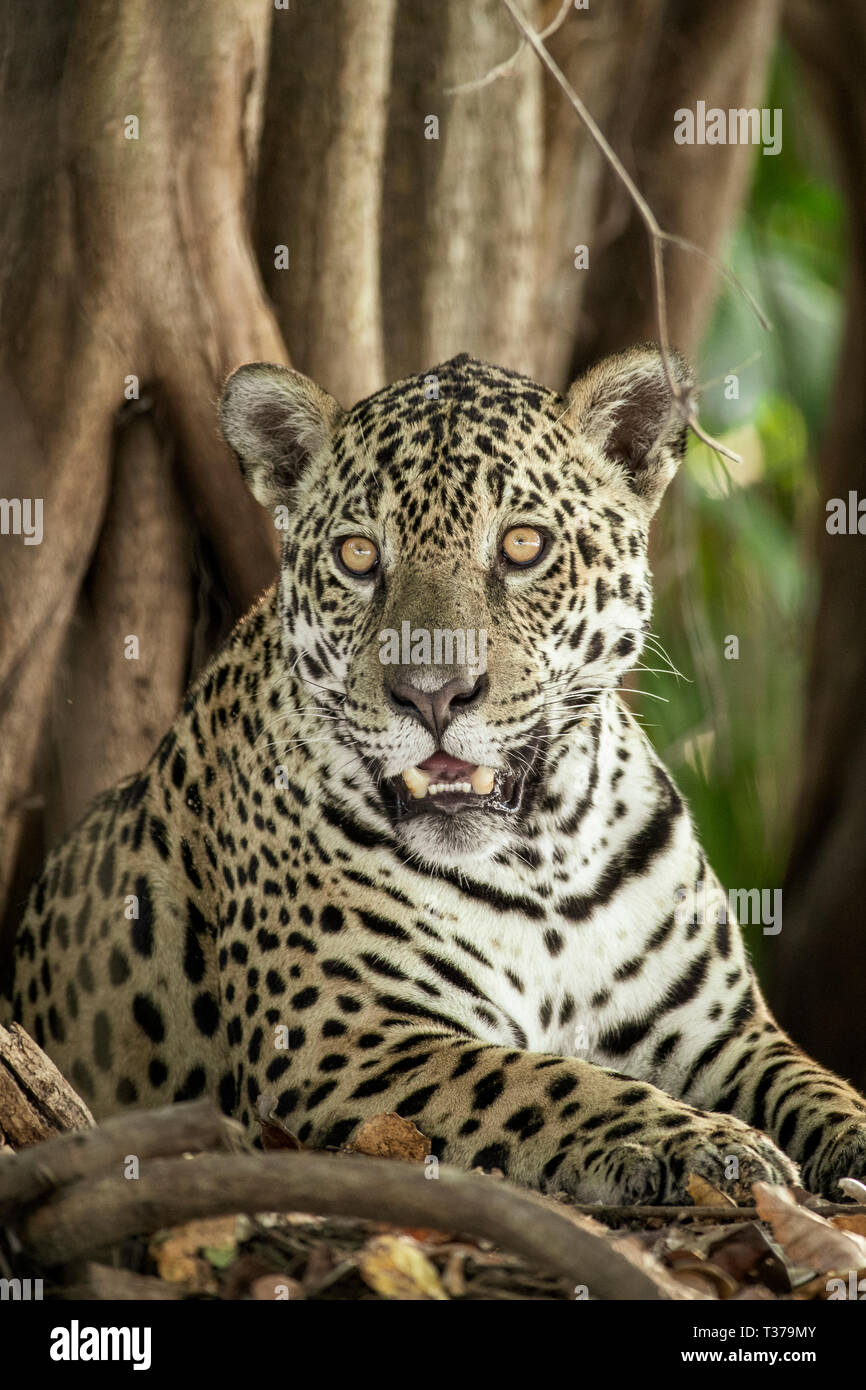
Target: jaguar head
464	570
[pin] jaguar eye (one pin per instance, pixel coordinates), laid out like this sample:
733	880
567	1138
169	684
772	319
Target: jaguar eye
522	545
358	555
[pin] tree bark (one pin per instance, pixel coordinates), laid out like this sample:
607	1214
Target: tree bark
320	187
696	50
459	243
36	1103
122	258
817	980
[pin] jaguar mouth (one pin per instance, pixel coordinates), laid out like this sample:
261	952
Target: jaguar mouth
447	786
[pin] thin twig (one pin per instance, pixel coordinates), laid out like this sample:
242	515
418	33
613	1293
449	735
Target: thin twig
671	1214
658	237
506	68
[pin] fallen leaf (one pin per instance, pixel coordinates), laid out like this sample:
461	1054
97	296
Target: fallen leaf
275	1135
704	1194
177	1253
806	1237
394	1267
747	1255
390	1136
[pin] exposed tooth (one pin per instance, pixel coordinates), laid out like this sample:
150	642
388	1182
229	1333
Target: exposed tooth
417	781
436	787
482	780
420	783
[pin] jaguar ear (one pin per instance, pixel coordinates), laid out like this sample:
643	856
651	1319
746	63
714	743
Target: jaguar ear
625	408
277	421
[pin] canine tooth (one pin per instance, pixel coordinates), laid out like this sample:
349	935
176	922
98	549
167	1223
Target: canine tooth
417	781
481	780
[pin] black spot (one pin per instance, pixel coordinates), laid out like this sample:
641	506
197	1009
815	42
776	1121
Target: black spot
118	966
192	1086
414	1103
339	1133
159	836
493	1156
105	872
193	956
206	1013
141	930
148	1017
331	919
277	1068
55	1025
190	869
157	1072
102	1041
82	1079
178	768
321	1093
488	1090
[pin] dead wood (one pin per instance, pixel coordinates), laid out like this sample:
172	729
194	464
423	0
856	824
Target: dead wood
193	1127
36	1103
88	1216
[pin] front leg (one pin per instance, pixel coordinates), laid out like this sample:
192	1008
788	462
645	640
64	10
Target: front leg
762	1077
556	1123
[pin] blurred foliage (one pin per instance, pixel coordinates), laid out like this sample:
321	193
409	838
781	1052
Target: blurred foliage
732	552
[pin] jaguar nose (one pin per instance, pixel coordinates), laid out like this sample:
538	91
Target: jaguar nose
435	709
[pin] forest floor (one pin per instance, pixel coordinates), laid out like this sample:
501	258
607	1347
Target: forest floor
364	1222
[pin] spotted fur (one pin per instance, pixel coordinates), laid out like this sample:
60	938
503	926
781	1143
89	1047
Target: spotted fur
256	912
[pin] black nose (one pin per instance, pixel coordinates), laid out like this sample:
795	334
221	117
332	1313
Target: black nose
435	709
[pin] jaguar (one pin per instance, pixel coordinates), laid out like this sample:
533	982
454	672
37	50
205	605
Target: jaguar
451	881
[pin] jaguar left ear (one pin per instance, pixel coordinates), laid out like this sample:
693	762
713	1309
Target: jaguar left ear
277	421
625	408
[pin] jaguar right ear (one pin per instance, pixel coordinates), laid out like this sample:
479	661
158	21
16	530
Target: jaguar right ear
277	421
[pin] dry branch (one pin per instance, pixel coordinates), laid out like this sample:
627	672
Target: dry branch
505	68
36	1103
700	1213
173	1130
91	1215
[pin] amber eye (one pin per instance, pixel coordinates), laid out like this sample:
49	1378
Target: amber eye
358	555
522	545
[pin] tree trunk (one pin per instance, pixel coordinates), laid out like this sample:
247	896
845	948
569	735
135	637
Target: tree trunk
123	258
817	983
691	51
